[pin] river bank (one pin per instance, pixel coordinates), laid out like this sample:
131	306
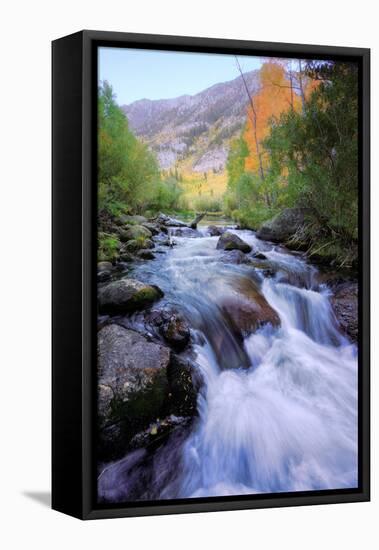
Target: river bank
188	319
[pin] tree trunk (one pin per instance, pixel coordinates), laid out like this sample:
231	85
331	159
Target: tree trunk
199	217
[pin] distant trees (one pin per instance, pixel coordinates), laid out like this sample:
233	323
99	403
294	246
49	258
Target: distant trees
128	175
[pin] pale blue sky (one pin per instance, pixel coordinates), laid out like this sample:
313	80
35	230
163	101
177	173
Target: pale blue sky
138	74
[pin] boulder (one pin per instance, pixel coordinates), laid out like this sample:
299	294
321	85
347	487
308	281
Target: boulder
104	266
103	276
140	384
234	257
127	295
171	325
104	271
345	306
284	225
247	308
215	231
134	232
230	241
138	244
145	254
132	383
126	256
185	232
152	227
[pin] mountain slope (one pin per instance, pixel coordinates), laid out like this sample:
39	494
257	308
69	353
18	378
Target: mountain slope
192	133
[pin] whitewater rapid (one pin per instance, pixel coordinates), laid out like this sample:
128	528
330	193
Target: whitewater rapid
277	411
289	421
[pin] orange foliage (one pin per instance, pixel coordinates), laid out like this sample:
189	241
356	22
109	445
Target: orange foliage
274	98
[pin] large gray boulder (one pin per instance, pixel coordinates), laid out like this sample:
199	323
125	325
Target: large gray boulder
135	232
230	241
132	383
284	225
139	383
127	295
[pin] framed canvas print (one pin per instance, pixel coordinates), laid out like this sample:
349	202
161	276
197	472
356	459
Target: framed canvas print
210	274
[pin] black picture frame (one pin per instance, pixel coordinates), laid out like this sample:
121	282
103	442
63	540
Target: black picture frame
74	92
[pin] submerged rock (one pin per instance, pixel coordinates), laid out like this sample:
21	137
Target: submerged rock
145	254
230	241
215	231
127	295
185	232
234	257
248	309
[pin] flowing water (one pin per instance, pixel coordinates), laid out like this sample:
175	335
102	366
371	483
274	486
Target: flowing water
278	407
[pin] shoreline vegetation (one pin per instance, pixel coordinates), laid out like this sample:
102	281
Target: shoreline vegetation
291	179
298	150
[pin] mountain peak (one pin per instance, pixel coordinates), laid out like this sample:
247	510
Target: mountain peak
194	130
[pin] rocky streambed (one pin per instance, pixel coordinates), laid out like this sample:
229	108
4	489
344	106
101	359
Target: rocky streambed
180	306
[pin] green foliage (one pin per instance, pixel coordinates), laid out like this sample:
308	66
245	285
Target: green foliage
319	148
313	162
206	203
236	161
128	174
108	247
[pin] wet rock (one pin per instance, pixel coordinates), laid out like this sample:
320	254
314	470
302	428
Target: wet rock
134	232
140	382
171	325
132	383
103	276
152	227
127	295
147	473
248	309
138	244
158	431
215	231
184	383
145	254
259	256
126	256
104	266
185	232
234	257
345	306
230	241
284	225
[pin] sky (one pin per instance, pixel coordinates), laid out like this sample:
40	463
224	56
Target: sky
151	74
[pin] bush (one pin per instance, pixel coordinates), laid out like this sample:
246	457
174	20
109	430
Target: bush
108	247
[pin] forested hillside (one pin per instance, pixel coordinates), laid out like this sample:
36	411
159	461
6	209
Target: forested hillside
287	137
